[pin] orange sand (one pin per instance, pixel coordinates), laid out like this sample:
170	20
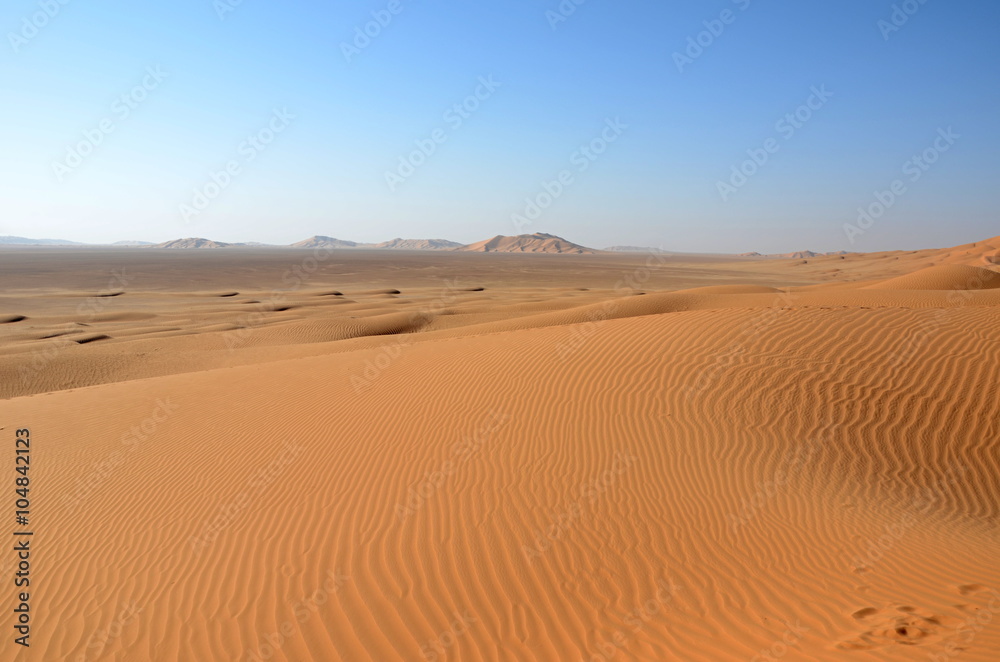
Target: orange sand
451	456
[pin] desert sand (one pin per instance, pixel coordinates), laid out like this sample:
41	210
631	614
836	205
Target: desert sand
250	454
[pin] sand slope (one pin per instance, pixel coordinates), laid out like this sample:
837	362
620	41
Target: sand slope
944	277
721	473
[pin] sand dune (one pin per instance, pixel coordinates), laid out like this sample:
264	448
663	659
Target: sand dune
854	266
602	457
944	277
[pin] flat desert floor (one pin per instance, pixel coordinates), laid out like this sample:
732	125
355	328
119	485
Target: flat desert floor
249	454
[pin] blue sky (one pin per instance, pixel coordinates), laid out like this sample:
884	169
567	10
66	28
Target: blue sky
328	123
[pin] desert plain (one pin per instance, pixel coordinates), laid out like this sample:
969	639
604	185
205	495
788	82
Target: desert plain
281	454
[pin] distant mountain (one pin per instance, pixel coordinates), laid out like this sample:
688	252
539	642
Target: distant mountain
634	249
797	255
22	241
419	244
538	242
193	242
133	243
319	241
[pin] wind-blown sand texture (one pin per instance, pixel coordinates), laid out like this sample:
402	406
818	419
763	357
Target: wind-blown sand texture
245	455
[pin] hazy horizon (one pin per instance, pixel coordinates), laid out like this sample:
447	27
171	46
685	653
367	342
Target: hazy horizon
368	244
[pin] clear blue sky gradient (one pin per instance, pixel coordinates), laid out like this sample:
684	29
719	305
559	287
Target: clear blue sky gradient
655	185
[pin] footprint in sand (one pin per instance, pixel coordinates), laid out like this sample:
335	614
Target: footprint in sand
904	625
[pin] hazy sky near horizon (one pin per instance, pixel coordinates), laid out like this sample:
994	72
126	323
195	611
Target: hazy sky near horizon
623	121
